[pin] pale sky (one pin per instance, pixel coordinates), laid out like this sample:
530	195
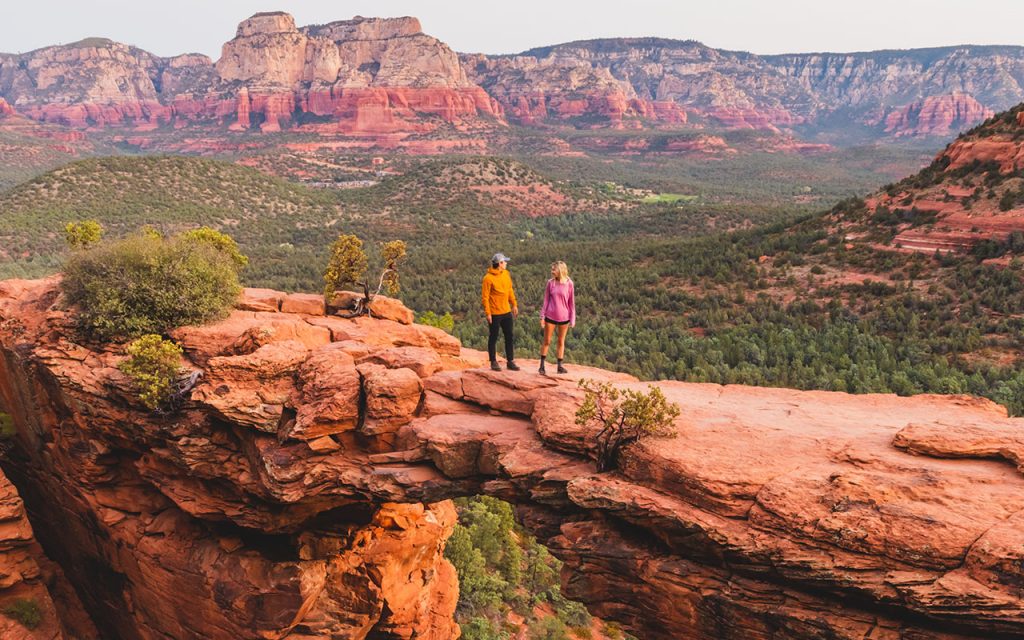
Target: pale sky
760	26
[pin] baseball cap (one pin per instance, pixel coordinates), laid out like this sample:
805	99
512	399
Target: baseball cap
499	257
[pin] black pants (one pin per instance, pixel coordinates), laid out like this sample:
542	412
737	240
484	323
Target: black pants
503	322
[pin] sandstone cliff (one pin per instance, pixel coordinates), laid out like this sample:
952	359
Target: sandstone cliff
21	579
360	76
973	191
937	115
301	492
384	79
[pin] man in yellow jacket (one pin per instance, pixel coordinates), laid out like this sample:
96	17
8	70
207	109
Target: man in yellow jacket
500	307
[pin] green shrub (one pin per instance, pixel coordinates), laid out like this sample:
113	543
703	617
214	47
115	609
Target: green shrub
623	417
348	264
148	284
431	319
480	628
26	611
547	629
7	429
153	364
81	234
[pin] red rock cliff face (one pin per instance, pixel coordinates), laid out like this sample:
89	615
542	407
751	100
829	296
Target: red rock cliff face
359	76
533	91
937	116
286	498
22	578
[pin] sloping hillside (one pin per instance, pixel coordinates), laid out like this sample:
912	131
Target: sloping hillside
125	193
970	197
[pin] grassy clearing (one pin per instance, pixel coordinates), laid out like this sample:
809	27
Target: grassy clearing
668	198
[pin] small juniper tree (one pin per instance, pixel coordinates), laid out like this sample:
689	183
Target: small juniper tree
623	417
154	365
83	233
348	265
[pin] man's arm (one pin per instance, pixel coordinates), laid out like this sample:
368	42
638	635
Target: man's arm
485	292
512	297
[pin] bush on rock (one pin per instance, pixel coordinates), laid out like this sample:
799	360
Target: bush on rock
150	284
153	364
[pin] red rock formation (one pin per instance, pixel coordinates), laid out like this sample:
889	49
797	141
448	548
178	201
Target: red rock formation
937	116
242	120
26	575
765	119
774	513
5	109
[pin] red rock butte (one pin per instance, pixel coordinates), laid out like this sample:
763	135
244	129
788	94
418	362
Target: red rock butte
302	490
383	82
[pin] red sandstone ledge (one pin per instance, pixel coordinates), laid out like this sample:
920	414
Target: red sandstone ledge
774	513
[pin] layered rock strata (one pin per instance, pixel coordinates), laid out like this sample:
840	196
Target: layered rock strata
937	116
969	196
385	80
300	492
366	75
22	580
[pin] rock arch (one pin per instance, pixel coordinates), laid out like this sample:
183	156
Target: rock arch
303	491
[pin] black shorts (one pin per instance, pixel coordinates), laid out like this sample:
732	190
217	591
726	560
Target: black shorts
550	321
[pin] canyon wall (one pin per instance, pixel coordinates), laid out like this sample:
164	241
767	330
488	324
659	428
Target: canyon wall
385	79
301	489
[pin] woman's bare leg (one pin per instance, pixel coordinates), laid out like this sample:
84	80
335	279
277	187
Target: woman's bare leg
562	330
548	330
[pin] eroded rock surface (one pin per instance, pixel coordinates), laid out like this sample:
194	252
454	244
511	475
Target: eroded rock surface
321	509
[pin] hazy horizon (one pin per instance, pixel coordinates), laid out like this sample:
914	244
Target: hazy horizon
765	28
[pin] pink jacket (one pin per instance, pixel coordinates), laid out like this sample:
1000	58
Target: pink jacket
559	302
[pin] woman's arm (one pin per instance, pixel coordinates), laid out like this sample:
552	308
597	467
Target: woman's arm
572	304
544	304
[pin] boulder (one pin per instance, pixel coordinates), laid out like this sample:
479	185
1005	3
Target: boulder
391	309
259	300
425	362
306	303
251	390
392	397
327	400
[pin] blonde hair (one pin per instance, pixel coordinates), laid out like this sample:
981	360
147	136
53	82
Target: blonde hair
561	270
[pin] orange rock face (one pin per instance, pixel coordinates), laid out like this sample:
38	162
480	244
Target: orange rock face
937	116
301	491
20	575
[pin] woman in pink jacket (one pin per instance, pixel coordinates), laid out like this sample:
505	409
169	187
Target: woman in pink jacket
558	310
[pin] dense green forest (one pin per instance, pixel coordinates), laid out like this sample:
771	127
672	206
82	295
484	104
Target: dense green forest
509	582
753	287
781	300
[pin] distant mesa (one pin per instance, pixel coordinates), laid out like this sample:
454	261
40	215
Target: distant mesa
937	116
388	82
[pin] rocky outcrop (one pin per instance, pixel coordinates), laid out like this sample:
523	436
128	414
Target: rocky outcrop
310	499
937	116
385	80
360	76
968	195
535	91
30	583
5	109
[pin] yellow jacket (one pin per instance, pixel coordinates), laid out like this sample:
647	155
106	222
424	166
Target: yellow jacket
497	293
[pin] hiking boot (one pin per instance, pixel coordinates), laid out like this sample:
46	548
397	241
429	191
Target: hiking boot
541	370
511	365
495	366
562	369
